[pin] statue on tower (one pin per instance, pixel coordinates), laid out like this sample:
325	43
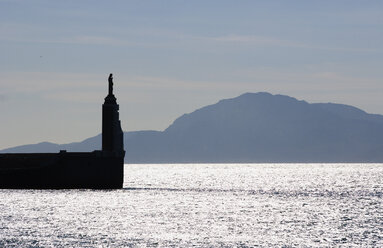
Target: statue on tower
110	98
110	79
112	135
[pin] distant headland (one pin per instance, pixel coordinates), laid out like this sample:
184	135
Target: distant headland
253	127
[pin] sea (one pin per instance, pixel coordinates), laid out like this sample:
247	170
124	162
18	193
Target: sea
206	205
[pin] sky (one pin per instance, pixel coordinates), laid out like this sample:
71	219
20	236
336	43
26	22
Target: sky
173	57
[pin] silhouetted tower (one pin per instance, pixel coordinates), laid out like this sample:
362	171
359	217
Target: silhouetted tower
112	135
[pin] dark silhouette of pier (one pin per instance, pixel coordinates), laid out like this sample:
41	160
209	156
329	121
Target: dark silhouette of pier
100	169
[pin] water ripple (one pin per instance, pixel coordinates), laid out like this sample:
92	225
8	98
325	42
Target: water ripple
206	205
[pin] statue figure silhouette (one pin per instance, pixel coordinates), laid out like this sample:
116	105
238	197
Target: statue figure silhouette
110	79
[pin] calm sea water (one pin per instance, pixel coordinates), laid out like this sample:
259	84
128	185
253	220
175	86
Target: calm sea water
205	205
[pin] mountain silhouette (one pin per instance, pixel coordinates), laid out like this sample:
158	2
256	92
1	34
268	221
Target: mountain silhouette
254	127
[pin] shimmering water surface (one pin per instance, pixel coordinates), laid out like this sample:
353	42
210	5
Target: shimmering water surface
205	205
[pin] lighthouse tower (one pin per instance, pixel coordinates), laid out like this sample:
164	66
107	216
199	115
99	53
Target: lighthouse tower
112	135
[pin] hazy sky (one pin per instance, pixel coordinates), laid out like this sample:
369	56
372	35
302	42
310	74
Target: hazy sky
172	57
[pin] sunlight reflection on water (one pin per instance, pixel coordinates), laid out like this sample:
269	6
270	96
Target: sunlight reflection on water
186	205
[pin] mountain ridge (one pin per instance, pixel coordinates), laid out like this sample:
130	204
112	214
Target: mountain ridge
253	127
